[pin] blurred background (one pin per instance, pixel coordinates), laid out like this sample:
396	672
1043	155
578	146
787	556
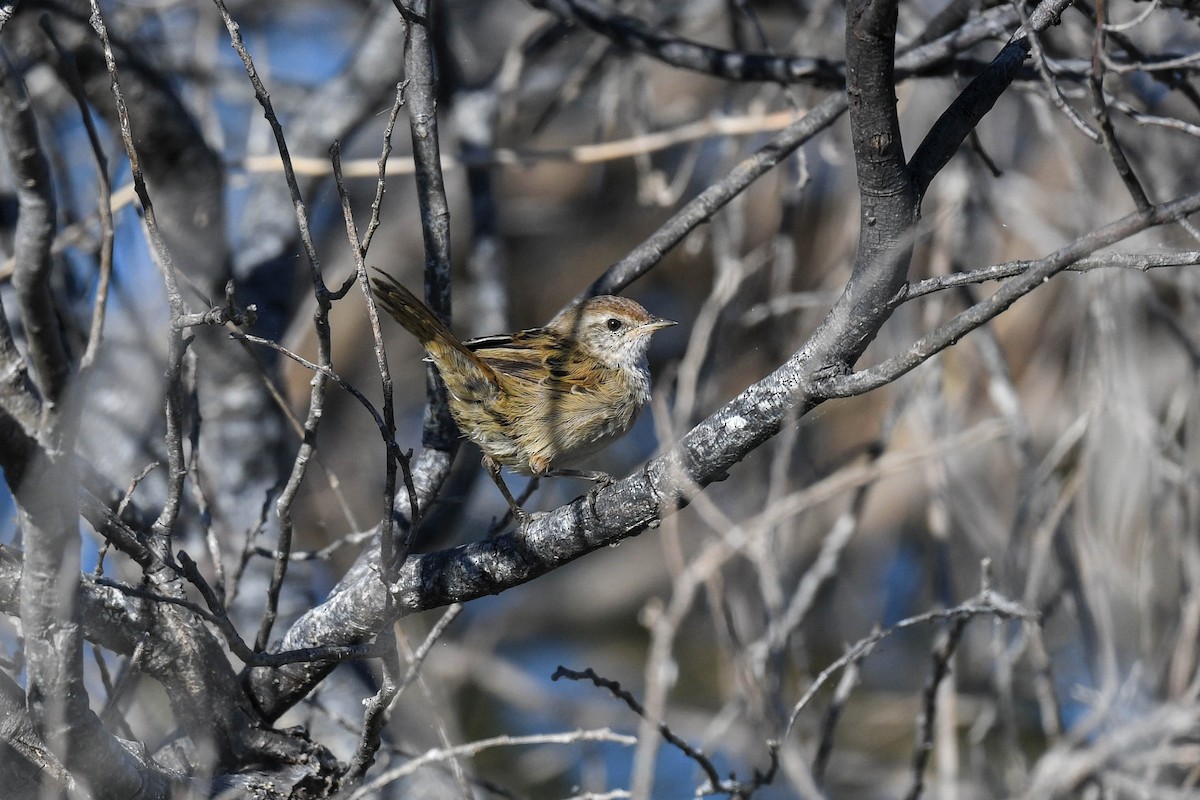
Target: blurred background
1055	444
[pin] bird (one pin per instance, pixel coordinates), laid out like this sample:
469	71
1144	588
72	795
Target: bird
535	399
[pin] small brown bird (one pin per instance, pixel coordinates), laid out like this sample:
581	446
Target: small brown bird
537	397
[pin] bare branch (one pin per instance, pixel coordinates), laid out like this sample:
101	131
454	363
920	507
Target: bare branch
51	618
104	201
1116	152
716	784
1141	262
947	644
28	758
471	748
700	209
986	604
18	396
35	230
176	470
1028	280
439	430
677	51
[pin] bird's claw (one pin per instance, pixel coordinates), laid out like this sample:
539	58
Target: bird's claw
521	517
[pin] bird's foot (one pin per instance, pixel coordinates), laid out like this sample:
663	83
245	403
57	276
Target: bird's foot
522	518
601	484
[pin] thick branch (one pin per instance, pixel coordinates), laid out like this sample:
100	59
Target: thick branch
889	205
440	431
18	397
109	618
51	621
17	447
35	231
25	761
340	620
177	651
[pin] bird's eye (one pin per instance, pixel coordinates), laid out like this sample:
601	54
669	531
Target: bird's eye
613	324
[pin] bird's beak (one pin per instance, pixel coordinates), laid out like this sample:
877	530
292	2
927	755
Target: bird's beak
657	324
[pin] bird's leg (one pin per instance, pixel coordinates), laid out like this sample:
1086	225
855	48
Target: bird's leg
520	515
601	479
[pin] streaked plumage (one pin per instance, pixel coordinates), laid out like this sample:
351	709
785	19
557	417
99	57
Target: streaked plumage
537	398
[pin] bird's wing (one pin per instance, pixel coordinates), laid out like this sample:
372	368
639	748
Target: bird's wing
537	355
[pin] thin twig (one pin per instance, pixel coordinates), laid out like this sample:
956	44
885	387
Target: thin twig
987	603
435	634
850	679
950	332
1142	262
472	748
283	505
1116	153
382	169
336	378
583	154
376	714
387	551
173	437
716	784
942	654
103	199
1054	92
324	553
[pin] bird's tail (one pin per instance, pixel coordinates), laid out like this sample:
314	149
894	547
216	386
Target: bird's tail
407	309
463	371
